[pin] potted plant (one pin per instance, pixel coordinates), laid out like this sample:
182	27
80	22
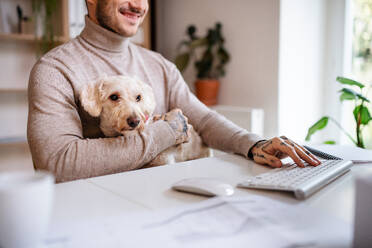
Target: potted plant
210	58
361	113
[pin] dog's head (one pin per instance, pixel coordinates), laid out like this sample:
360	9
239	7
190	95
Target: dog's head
123	103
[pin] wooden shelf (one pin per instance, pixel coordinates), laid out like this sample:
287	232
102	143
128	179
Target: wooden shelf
18	37
13	90
26	37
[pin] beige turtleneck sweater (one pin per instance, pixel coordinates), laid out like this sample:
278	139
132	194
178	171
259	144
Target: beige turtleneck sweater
66	141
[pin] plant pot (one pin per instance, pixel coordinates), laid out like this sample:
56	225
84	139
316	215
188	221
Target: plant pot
207	91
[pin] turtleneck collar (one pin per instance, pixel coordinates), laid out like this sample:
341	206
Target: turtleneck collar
103	38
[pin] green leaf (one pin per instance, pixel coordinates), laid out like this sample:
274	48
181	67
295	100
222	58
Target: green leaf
350	94
191	30
329	142
349	82
322	123
363	111
183	43
362	98
199	42
182	61
223	55
204	65
347	94
345	97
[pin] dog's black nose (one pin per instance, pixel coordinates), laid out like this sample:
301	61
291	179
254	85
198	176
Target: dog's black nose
133	121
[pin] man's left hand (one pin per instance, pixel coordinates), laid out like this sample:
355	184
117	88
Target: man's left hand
271	151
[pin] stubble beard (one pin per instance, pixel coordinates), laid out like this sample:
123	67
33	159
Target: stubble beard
104	20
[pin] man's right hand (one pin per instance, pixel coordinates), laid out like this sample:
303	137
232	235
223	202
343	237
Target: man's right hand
179	123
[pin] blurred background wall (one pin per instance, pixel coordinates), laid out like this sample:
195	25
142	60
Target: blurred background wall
251	30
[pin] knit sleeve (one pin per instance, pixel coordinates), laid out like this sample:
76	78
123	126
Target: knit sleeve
215	130
56	139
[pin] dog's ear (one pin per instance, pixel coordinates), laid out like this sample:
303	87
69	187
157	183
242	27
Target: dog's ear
90	98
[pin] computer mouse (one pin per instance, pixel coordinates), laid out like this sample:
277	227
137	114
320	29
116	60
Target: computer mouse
204	186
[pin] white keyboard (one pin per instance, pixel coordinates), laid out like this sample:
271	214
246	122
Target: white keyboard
302	181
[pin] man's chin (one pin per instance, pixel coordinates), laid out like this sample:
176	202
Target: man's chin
128	30
129	34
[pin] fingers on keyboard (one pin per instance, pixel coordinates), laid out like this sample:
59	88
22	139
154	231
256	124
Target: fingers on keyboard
303	155
290	150
309	154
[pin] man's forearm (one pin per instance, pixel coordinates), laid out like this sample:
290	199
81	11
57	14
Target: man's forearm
75	158
220	133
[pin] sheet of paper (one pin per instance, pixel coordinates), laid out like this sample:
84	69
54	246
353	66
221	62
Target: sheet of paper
219	222
356	154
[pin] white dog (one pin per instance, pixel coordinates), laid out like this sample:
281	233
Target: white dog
125	104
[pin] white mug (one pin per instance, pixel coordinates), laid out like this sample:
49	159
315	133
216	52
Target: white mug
25	207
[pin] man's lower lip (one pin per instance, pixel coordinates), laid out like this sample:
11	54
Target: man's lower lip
129	16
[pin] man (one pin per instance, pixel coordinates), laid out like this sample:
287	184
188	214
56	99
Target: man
65	140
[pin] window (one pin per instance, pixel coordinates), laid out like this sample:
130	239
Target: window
361	61
362	40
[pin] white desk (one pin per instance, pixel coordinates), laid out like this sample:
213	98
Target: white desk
147	190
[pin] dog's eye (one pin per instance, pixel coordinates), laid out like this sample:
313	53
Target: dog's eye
114	97
138	98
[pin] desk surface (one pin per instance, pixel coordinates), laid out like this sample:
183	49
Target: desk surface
146	190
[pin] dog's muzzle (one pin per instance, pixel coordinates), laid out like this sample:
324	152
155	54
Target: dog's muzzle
133	121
